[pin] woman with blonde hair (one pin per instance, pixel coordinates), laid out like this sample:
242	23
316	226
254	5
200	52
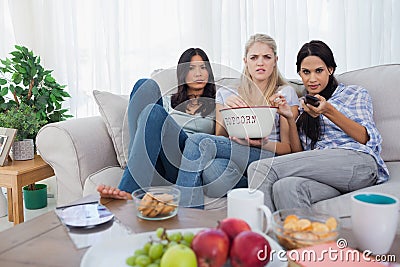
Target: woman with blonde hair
215	161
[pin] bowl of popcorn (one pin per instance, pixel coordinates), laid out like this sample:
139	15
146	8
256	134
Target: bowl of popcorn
156	203
251	122
297	228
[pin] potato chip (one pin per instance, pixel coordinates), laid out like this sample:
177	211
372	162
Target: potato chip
303	225
290	226
331	223
320	228
291	217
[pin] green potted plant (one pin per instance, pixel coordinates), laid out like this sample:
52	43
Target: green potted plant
26	122
22	118
24	80
30	97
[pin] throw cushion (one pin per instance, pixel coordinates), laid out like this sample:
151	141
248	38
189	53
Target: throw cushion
113	109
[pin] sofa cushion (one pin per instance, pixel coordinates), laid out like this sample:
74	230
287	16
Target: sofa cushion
113	111
382	83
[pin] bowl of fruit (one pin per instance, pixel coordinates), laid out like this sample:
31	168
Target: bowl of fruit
156	203
297	228
225	245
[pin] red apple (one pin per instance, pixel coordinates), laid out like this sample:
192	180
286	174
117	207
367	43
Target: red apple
211	247
233	226
250	249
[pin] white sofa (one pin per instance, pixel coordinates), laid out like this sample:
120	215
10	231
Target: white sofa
88	151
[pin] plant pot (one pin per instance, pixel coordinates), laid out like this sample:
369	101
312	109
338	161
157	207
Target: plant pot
35	199
23	150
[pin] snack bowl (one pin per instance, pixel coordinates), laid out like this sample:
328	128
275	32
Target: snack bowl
252	122
157	202
297	228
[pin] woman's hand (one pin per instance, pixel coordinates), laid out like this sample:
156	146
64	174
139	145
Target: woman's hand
256	142
324	107
235	101
355	130
283	107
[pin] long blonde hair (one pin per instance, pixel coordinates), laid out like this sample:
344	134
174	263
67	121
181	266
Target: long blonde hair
247	85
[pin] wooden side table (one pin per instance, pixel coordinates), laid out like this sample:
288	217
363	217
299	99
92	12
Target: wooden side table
18	174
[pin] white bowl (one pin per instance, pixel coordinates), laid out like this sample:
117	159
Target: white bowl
252	122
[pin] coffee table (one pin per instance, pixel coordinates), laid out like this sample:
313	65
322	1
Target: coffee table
16	175
43	241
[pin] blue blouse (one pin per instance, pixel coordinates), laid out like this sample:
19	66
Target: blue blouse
356	104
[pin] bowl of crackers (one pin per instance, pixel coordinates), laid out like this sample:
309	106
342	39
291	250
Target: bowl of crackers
156	203
297	228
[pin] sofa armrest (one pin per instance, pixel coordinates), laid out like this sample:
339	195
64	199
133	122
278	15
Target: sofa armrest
75	149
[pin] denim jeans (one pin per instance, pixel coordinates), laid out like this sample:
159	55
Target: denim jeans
203	152
156	140
221	176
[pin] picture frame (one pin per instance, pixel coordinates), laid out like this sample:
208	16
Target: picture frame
7	136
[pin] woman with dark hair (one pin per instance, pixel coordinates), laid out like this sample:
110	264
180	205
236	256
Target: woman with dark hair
338	135
213	165
159	125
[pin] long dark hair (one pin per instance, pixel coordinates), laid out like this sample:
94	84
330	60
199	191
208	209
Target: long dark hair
312	126
207	99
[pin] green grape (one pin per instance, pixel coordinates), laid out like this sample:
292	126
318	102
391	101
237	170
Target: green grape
175	237
143	260
140	251
156	251
157	261
183	242
159	232
153	265
171	244
188	237
146	247
131	260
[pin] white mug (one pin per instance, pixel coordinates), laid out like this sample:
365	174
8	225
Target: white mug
374	218
248	204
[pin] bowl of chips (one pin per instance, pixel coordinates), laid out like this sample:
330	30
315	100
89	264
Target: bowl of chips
156	203
297	228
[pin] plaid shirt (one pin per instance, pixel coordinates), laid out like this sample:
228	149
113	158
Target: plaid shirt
355	103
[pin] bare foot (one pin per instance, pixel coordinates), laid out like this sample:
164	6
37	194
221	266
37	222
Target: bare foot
107	191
